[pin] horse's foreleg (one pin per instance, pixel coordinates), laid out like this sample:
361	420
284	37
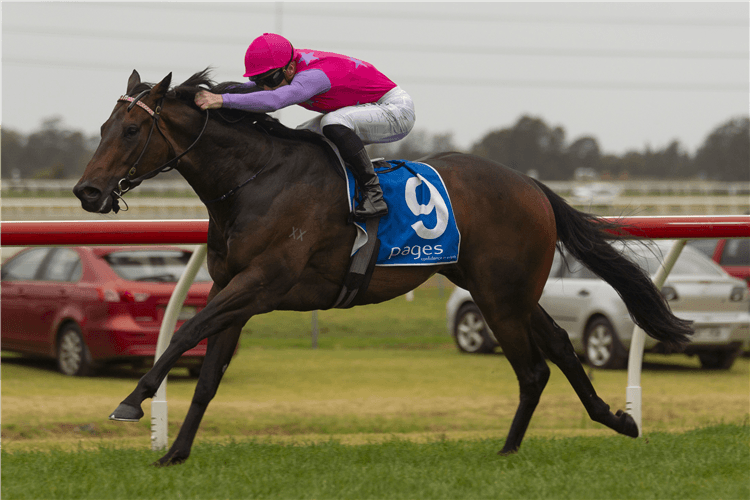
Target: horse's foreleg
192	331
555	343
231	308
218	355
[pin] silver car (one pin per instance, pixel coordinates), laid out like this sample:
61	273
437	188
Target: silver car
598	323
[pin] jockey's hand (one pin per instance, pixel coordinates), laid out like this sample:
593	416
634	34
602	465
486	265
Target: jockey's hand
207	100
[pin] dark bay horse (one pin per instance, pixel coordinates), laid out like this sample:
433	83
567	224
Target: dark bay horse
260	181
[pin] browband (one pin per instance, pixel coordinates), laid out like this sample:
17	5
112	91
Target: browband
136	101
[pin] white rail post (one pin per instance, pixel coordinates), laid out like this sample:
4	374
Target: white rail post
159	401
635	359
315	330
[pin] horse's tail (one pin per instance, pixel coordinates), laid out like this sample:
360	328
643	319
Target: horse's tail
585	237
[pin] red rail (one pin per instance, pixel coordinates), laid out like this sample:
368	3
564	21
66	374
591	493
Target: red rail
194	231
687	226
104	232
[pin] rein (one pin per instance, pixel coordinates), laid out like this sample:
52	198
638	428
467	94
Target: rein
243	184
248	181
130	181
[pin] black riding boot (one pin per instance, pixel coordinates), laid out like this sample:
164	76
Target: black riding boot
353	152
373	204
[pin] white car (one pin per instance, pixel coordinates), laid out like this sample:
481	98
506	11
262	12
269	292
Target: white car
596	193
598	323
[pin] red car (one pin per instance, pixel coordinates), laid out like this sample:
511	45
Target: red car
733	255
91	306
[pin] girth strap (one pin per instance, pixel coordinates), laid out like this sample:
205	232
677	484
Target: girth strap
361	267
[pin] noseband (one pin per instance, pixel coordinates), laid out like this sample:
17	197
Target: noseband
130	181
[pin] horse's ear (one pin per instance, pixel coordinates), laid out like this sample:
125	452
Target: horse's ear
134	80
160	89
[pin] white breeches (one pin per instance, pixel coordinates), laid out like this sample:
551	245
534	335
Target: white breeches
389	119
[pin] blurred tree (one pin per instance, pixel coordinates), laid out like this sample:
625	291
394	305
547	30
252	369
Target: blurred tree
496	146
725	155
56	153
52	152
672	162
529	145
414	146
615	165
13	144
584	153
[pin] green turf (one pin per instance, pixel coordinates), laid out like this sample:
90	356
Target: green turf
710	463
397	323
384	370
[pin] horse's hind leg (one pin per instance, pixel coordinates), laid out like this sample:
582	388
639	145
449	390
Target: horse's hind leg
218	355
555	343
513	334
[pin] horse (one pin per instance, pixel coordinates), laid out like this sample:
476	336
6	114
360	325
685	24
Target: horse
260	180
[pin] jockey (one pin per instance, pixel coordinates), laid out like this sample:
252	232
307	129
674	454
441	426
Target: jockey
358	104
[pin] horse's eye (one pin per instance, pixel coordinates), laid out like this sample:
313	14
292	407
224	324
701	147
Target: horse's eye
131	131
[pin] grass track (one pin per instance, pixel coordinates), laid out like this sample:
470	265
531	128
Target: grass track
712	462
426	420
292	392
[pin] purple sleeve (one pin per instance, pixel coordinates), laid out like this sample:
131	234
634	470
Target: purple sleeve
304	86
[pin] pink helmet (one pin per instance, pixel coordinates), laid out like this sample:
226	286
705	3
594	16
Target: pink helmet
267	52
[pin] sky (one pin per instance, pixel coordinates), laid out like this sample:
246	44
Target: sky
631	75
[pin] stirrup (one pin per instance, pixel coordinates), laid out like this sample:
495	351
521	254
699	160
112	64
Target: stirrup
367	210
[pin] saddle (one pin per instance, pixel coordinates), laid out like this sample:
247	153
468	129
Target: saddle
361	263
419	229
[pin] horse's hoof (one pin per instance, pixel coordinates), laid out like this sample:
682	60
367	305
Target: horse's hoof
126	413
167	460
629	427
506	452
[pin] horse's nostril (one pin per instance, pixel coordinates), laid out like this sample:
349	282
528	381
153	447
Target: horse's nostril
86	193
91	193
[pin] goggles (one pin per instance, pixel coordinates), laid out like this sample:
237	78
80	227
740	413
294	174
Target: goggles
271	80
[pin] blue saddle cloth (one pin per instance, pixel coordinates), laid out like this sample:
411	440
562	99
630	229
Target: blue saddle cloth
420	228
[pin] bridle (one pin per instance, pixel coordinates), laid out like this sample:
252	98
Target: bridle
130	180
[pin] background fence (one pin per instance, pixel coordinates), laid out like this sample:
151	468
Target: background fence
28	199
158	187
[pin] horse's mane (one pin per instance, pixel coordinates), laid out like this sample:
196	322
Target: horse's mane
202	81
234	118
